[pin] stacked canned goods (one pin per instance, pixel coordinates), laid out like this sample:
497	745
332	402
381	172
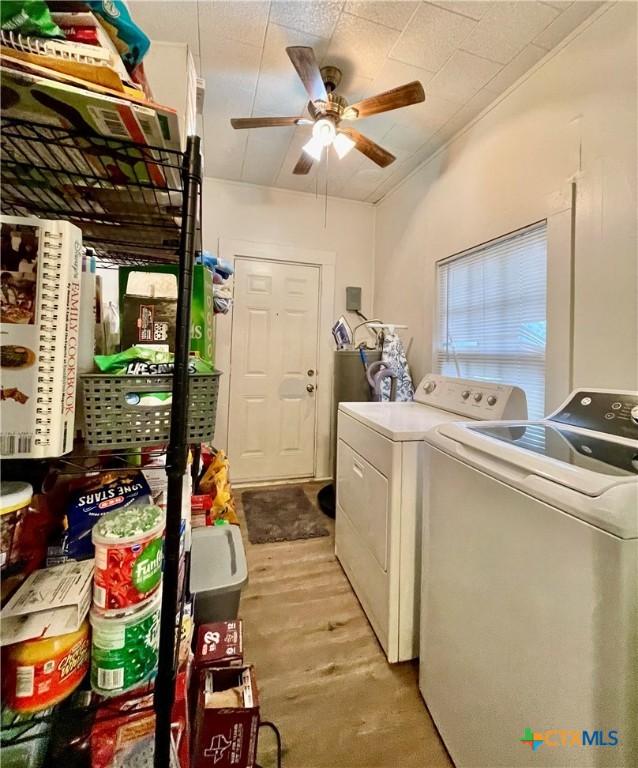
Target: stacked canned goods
126	598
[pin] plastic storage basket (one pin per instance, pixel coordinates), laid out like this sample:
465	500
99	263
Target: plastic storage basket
113	418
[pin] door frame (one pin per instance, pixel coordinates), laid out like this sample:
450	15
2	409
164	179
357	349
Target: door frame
231	249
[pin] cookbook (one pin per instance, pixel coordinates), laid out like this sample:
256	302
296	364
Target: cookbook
39	330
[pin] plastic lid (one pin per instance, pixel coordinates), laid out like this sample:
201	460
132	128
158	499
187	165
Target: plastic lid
100	619
14	494
132	511
218	560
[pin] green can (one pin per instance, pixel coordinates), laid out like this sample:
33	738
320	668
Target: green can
124	649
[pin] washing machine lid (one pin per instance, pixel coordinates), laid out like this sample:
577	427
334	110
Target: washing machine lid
399	422
584	473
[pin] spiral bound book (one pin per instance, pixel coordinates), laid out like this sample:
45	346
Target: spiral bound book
39	330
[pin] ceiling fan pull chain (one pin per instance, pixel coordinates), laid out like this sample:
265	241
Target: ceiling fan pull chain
325	208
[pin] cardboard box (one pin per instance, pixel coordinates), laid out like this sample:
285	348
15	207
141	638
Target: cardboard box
51	602
147	320
201	505
144	317
227	719
220	644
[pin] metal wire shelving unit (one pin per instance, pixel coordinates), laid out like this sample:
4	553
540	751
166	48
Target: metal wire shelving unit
135	205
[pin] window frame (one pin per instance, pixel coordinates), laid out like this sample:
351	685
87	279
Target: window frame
438	263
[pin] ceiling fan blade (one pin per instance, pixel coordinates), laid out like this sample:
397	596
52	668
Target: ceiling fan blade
303	60
403	96
304	164
313	111
369	148
267	122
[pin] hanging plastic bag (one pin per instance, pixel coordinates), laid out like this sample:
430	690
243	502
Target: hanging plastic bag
127	37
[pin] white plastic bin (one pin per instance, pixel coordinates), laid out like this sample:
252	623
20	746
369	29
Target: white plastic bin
218	572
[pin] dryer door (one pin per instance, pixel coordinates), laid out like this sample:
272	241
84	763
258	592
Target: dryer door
364	497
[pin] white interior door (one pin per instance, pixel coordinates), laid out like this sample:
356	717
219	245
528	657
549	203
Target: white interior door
271	428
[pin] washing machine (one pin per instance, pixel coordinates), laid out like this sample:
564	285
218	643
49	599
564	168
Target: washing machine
379	492
529	633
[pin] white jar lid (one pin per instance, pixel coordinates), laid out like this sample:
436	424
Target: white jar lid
14	494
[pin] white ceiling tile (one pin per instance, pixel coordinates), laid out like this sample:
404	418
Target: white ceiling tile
223	19
360	46
404	140
375	127
467	112
352	191
565	23
462	76
229	68
455	49
266	149
365	180
517	67
396	73
432	37
276	61
394	14
355	88
223	148
475	9
428	116
340	171
170	22
318	17
507	28
279	97
389	182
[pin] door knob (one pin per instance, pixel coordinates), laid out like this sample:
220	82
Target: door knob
310	387
310	372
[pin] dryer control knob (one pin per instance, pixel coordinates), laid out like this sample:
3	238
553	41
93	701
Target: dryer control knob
478	397
491	400
634	414
429	387
465	394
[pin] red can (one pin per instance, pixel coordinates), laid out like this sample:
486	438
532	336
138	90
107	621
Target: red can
40	673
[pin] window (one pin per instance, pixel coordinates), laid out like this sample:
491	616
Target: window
492	314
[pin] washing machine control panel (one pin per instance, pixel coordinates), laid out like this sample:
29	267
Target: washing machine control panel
615	413
474	399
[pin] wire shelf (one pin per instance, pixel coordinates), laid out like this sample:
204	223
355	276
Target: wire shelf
126	198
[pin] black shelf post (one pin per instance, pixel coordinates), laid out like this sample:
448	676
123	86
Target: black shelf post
177	456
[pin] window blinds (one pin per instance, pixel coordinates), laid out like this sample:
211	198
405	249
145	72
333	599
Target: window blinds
492	314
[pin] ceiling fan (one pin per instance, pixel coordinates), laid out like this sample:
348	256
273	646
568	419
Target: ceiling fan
327	109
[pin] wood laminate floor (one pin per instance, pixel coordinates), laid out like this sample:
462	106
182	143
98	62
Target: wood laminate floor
323	677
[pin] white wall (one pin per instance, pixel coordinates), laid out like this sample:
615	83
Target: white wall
572	119
266	215
263	215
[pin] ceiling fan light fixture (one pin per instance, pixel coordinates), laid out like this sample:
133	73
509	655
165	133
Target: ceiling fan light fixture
342	144
314	148
324	131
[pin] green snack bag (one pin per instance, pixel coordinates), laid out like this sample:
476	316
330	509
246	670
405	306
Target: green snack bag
136	361
146	361
138	312
28	17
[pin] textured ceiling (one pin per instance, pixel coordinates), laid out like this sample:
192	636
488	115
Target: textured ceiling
464	53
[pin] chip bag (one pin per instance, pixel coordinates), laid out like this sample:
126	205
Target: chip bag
28	17
127	37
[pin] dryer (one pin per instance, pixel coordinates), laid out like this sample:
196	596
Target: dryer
529	635
379	492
